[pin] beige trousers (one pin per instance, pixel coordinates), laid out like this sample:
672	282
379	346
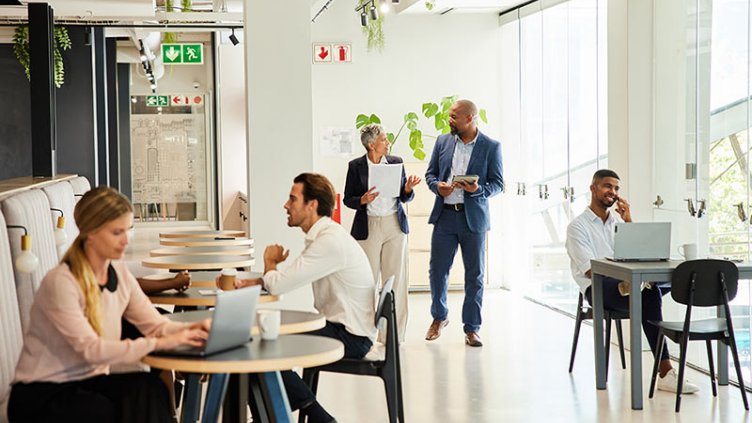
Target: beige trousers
386	248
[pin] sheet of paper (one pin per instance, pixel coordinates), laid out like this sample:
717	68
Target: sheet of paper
386	178
208	291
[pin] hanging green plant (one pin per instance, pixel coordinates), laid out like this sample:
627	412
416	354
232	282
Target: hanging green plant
62	42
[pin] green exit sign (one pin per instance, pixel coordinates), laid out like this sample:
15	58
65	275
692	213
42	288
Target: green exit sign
183	53
157	101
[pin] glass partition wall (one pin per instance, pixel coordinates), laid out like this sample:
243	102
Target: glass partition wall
701	148
556	125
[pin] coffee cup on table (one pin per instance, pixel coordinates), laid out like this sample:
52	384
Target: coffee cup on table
268	323
689	251
227	279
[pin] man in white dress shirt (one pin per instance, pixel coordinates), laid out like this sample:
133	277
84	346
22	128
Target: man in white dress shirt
339	272
591	236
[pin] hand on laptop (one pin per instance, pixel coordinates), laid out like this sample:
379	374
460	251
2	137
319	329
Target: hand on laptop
622	207
192	336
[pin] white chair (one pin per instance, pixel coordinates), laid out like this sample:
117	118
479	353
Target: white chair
11	336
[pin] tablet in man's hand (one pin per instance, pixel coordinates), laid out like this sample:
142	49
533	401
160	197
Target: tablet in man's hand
470	179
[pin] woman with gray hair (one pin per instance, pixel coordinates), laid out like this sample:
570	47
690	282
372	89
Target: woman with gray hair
380	224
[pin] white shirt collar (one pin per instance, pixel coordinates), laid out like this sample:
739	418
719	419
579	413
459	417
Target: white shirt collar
458	139
317	227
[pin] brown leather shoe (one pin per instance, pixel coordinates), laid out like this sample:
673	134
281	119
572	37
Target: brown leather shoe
473	339
434	331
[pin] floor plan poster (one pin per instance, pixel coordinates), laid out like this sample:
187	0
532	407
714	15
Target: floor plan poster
169	160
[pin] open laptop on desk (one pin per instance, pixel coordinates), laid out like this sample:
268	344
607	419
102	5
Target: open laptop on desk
642	241
234	315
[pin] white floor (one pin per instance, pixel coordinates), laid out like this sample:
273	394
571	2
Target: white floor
519	375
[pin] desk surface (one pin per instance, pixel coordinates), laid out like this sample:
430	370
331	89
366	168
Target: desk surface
193	298
220	250
284	353
292	321
202	234
203	279
608	267
204	242
203	262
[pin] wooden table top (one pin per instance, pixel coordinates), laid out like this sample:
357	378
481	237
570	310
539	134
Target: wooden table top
203	279
224	250
257	356
193	297
203	262
204	242
292	321
202	234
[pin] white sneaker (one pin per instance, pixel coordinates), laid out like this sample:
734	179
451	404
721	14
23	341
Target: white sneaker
670	381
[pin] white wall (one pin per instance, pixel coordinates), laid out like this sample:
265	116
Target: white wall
426	57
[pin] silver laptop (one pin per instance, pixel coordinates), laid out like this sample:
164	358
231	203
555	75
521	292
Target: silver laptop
642	241
234	316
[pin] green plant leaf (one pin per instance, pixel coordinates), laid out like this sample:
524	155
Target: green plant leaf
419	154
482	114
430	109
412	116
412	125
361	120
446	103
374	119
438	122
390	137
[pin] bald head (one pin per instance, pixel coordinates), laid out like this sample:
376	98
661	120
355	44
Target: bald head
466	107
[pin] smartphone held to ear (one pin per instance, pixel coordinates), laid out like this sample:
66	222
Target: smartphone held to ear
469	179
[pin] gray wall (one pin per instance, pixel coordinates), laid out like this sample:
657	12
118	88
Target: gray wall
15	123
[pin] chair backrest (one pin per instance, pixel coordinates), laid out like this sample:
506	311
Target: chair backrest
380	308
708	289
80	185
61	197
30	209
11	335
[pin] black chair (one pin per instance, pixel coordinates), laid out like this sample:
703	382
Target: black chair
585	312
387	368
701	283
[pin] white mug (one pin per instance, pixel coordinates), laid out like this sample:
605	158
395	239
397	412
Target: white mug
688	251
268	323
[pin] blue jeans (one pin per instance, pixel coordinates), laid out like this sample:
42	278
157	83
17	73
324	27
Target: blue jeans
449	232
652	308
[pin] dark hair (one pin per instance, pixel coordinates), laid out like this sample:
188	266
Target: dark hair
604	173
317	187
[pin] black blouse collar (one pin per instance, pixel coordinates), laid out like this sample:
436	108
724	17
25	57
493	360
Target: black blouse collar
112	280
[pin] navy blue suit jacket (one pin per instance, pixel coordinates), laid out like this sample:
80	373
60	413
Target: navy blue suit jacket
484	162
357	184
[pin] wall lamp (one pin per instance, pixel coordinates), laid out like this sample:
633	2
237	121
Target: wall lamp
60	235
233	39
26	262
371	6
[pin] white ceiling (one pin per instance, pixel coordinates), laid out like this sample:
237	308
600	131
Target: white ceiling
458	6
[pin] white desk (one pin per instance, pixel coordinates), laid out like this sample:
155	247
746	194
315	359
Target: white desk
639	273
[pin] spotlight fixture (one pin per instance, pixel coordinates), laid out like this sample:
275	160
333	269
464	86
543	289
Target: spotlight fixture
233	39
395	1
371	6
60	235
26	262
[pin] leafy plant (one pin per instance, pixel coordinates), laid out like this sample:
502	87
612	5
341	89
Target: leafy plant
437	112
62	42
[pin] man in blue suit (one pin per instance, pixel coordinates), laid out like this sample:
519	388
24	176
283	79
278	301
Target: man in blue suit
460	214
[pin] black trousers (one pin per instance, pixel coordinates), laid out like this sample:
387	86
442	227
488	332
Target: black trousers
298	393
128	397
652	308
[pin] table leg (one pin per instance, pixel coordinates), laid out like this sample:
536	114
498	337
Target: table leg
598	341
256	399
277	405
722	355
234	408
191	398
215	393
635	339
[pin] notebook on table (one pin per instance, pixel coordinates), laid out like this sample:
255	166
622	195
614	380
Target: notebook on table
234	315
642	241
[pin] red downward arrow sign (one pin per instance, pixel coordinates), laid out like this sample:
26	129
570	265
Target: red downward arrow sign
323	53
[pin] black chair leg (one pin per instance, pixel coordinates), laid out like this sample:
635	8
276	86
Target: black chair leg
682	366
657	360
577	324
391	396
735	354
711	367
608	344
620	338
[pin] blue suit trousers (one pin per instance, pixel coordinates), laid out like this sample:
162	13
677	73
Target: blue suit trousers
451	230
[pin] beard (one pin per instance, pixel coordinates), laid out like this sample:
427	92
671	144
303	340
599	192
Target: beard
607	202
453	130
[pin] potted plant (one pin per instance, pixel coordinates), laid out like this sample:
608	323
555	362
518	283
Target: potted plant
21	50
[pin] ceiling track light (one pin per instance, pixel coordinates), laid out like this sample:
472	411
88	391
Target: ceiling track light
233	39
374	13
364	18
371	6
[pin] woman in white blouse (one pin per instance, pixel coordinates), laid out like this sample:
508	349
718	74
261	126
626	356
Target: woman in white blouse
74	332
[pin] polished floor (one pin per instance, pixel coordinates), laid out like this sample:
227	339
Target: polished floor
519	375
